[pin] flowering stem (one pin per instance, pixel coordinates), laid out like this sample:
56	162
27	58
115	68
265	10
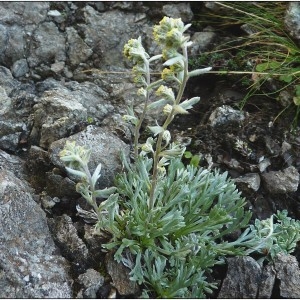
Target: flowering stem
165	125
141	119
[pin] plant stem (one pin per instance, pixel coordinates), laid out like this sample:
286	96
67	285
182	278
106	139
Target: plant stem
141	119
169	119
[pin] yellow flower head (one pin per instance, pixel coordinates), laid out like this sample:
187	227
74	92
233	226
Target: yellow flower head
169	32
134	51
165	92
167	74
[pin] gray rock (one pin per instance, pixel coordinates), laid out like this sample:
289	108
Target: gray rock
120	276
106	148
7	82
267	282
66	237
47	45
23	98
78	51
247	279
292	20
10	142
23	13
107	33
94	241
15	48
263	164
288	273
5	104
55	116
179	10
242	279
250	181
14	111
226	115
90	281
20	68
13	163
58	66
201	40
10	125
281	182
217	8
98	103
4	37
59	186
29	266
56	16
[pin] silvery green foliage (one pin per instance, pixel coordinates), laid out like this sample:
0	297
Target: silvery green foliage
278	237
181	237
76	159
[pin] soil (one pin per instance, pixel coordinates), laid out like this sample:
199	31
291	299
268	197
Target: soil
263	137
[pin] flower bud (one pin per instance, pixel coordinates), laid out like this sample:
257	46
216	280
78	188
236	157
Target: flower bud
167	74
166	136
167	109
134	51
142	92
161	171
147	148
165	92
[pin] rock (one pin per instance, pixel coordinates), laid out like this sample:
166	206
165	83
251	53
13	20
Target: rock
250	181
54	13
107	33
288	273
23	13
281	182
247	279
7	82
59	186
263	164
90	281
37	163
17	23
47	45
58	67
13	163
267	282
226	115
201	41
179	10
10	125
28	260
78	51
120	276
10	141
93	241
98	103
217	8
15	48
55	116
4	36
71	246
292	20
14	111
20	68
242	279
106	148
57	16
285	98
